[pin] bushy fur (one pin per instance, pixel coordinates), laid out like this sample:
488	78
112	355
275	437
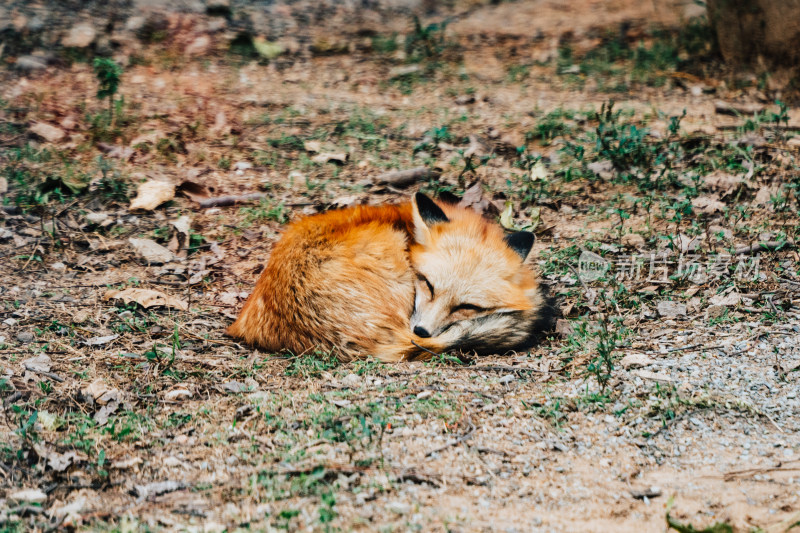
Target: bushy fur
357	281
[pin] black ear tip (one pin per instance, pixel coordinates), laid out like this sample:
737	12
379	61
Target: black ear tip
521	242
448	198
421	198
428	210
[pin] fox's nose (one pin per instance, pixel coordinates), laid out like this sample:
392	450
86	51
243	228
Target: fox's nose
421	332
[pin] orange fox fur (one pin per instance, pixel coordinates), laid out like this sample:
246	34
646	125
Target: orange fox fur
396	282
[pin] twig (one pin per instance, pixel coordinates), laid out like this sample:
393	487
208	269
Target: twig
425	349
307	445
30	257
455	442
224	201
767	246
725	108
682	348
729	476
404	178
416	477
590	295
773	422
54	377
503	368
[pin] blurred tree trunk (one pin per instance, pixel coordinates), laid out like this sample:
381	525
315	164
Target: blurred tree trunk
756	31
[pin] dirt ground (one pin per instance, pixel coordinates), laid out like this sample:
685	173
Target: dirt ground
666	397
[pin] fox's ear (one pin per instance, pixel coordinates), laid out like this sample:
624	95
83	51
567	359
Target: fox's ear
447	197
425	213
521	242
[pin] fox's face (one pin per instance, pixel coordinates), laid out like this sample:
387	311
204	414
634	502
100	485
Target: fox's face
466	270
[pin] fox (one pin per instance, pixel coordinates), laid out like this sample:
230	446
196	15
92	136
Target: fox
397	282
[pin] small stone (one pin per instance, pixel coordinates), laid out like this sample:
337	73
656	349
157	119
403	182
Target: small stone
178	394
135	23
151	251
654	376
508	378
715	311
352	381
633	240
399	508
97	218
25	337
80	317
669	309
234	387
724	300
636	360
604	169
40	363
172	462
48	132
31	63
28	495
59	267
79	36
564	327
199	46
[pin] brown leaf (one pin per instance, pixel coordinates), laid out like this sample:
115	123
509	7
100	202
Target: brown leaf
474	199
708	204
326	157
151	194
726	183
146	298
765	194
179	242
48	132
194	191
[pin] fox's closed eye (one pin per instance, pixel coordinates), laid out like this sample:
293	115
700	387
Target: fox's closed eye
469	307
428	283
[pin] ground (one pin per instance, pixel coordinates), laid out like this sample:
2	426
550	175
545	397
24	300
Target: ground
663	192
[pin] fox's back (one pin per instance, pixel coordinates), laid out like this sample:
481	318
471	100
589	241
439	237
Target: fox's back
339	279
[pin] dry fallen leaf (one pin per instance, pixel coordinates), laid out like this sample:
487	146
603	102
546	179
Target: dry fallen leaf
48	132
539	172
726	183
507	216
151	194
98	393
151	251
195	191
146	298
765	195
347	201
179	242
474	199
708	204
326	157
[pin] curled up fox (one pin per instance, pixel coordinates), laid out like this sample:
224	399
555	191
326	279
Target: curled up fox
396	282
